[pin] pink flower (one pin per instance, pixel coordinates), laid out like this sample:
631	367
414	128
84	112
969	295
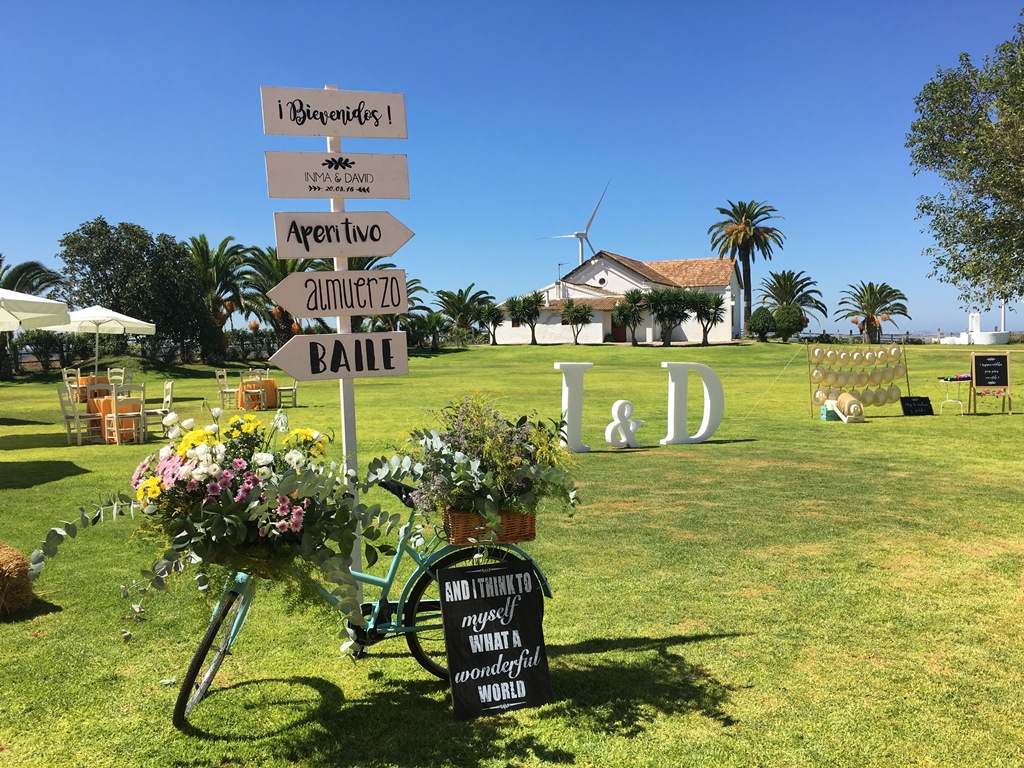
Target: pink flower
281	525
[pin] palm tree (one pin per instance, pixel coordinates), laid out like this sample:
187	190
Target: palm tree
708	309
576	316
629	311
434	325
261	272
743	234
870	305
795	289
669	308
463	306
492	316
219	271
526	309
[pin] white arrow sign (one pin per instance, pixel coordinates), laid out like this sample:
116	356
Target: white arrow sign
315	112
338	235
310	357
324	174
329	294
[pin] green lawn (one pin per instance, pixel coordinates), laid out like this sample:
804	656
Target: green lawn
789	593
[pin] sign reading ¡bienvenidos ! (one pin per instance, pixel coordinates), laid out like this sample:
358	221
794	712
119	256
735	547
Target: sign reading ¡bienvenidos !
494	638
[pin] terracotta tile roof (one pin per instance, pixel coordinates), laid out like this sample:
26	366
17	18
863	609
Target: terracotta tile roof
600	305
641	268
695	273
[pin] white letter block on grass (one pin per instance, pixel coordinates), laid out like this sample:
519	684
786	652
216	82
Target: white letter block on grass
714	403
572	404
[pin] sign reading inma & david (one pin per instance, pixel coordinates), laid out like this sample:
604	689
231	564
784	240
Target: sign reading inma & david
494	638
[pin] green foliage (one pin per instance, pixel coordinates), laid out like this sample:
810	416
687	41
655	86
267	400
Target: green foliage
464	306
45	345
480	461
796	289
670	307
761	323
708	309
743	234
788	321
970	131
629	311
576	316
869	305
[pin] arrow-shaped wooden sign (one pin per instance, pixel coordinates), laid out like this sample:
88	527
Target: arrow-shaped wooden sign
330	294
311	357
338	235
329	112
326	174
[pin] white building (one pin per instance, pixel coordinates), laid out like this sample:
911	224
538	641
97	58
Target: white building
603	279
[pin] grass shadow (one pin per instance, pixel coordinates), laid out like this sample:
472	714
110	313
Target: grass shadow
400	723
35	609
45	440
8	422
29	474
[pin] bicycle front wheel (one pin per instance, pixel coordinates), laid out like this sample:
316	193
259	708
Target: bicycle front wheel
201	671
423	609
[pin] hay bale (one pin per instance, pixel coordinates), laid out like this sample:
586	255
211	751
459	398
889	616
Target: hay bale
15	586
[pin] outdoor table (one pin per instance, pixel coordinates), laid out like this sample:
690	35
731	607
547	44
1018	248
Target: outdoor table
963	378
84	381
104	406
248	397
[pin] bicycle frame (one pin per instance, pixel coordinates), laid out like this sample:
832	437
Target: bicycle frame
383	616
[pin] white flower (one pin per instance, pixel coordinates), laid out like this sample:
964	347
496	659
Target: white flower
262	459
216	413
294	458
166	452
263	473
187	424
170	419
174	432
185	472
212	429
281	422
220	451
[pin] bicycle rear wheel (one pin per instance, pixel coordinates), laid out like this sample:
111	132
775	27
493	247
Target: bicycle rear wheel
423	608
217	638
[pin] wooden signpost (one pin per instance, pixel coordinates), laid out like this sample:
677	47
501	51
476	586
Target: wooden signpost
335	175
494	638
349	292
344	235
316	356
991	374
316	112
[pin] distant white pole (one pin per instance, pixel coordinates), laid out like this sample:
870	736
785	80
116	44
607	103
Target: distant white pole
1002	317
343	324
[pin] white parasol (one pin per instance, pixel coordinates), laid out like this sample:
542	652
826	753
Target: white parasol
102	320
23	310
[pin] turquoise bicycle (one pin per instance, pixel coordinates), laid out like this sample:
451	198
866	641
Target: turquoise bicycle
416	613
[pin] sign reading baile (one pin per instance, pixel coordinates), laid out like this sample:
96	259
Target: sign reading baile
494	638
310	357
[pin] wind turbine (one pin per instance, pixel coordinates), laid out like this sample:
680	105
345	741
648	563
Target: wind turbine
582	236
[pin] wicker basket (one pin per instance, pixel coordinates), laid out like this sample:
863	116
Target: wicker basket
463	526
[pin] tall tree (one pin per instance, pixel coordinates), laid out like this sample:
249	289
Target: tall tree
493	316
708	310
261	272
464	305
969	131
629	311
532	304
669	307
795	289
126	269
576	316
219	270
744	233
869	305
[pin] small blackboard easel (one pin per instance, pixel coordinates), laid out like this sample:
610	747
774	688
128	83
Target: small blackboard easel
990	376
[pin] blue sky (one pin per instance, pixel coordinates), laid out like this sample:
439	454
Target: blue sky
519	114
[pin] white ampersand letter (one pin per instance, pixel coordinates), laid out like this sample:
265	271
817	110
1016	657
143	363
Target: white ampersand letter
622	430
714	403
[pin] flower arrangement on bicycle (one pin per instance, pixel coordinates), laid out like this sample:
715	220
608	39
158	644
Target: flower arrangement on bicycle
484	472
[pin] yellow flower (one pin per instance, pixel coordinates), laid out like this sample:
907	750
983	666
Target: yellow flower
149	489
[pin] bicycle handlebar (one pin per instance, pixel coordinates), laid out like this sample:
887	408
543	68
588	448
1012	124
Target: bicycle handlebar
402	491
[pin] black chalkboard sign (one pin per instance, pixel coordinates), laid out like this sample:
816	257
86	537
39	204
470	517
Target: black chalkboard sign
916	406
990	370
494	638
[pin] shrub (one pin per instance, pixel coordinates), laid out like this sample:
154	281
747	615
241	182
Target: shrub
788	321
761	323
